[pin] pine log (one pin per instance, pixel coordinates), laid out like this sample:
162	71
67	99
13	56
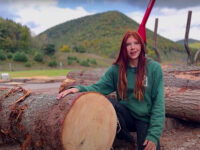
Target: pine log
78	121
183	103
180	76
182	89
188	77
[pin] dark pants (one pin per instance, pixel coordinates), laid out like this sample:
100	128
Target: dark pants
129	124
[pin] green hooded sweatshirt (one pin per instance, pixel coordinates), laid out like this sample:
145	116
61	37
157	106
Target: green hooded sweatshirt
151	109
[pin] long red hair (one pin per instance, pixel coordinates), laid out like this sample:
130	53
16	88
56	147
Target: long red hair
122	61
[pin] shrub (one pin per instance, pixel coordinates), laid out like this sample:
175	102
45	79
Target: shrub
52	63
20	56
93	61
79	49
49	49
27	64
84	63
65	48
71	59
38	57
9	55
77	61
2	56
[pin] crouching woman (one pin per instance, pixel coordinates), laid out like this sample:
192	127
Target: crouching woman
138	82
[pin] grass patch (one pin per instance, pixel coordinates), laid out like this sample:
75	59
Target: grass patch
33	73
195	45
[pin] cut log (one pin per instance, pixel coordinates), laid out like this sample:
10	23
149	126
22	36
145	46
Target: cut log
182	89
78	121
177	77
174	77
182	103
188	77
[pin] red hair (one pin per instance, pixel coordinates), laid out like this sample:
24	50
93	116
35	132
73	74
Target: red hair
122	60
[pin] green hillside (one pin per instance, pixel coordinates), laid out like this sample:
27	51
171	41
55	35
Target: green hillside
101	34
195	45
20	51
91	41
192	43
13	36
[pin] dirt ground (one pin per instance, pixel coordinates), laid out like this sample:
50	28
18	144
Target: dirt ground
185	138
177	135
43	85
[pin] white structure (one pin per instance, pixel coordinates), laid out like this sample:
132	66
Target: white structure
5	76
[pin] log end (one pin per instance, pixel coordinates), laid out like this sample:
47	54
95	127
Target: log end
90	124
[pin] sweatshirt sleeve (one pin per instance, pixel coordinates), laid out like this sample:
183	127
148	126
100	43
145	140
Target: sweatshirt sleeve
158	107
105	85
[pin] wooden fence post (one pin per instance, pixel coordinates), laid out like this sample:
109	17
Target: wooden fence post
196	56
189	60
155	40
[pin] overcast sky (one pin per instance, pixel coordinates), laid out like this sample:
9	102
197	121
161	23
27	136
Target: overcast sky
40	15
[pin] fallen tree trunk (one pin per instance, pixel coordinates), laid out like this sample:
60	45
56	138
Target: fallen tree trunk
189	78
78	121
182	89
177	77
182	103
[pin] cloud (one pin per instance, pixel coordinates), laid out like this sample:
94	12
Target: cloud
32	24
5	12
172	22
40	16
161	3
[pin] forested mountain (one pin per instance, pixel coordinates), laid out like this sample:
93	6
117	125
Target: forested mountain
192	43
101	34
13	36
98	34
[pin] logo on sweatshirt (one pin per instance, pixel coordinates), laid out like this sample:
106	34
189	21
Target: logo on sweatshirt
145	82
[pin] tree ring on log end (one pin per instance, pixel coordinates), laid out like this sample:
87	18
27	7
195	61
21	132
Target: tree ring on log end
90	123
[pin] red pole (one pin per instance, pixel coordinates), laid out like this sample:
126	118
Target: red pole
142	30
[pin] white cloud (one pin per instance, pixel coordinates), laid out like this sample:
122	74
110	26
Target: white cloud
172	22
40	15
45	15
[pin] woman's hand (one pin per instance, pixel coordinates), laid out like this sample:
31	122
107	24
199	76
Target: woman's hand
149	145
66	92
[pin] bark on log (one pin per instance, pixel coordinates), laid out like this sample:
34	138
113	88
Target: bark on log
181	76
183	103
78	121
182	89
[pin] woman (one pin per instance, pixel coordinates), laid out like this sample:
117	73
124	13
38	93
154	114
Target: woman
138	83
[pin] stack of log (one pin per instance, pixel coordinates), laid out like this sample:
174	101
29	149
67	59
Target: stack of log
79	121
182	89
42	122
182	95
